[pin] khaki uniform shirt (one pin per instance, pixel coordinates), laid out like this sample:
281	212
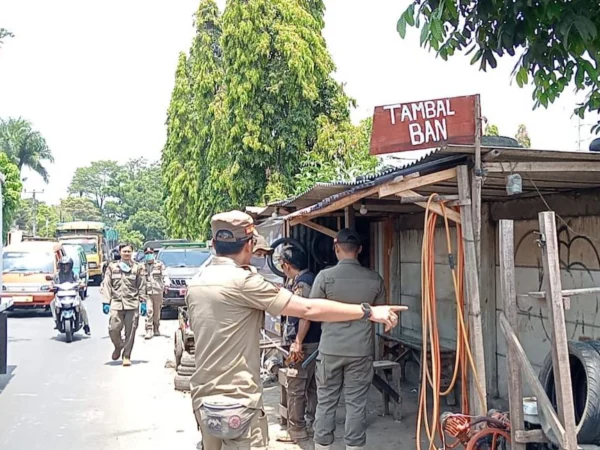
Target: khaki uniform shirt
155	277
124	290
226	305
348	282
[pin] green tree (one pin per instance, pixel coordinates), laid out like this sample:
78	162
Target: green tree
186	172
491	130
277	74
522	136
11	192
557	41
341	153
96	182
78	209
25	146
46	217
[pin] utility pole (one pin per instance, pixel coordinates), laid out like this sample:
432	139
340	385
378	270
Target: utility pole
34	210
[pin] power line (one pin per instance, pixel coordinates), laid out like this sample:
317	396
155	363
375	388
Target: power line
33	193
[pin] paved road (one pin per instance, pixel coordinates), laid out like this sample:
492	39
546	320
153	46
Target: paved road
72	396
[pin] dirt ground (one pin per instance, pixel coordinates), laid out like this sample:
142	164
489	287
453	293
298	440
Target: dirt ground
384	432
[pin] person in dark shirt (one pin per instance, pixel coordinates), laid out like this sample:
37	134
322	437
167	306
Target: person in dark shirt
303	337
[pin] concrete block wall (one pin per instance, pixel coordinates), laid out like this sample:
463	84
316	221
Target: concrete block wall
580	262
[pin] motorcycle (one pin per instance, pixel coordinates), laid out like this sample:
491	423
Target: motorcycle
68	309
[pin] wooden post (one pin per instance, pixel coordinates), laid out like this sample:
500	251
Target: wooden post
556	314
472	291
487	292
477	182
509	294
349	217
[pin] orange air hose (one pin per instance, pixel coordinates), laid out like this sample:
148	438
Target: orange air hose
431	376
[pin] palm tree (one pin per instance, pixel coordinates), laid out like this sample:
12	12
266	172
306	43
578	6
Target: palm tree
25	146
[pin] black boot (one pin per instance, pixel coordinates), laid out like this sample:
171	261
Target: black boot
86	328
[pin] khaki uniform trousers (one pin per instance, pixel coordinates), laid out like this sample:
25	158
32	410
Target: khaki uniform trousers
128	319
302	392
153	309
354	375
256	438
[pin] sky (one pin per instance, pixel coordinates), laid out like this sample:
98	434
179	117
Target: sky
95	78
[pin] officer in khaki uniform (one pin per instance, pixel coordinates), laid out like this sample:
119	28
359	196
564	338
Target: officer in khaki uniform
304	339
226	304
155	283
124	288
345	358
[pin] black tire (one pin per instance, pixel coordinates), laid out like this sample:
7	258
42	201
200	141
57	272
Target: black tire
185	371
68	331
178	347
277	243
584	360
321	248
188	360
182	383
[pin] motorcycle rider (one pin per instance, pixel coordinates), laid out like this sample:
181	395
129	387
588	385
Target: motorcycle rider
65	274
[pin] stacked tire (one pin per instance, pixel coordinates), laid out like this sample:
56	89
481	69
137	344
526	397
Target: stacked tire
584	361
185	364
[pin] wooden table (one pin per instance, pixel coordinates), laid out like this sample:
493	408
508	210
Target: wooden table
4	305
403	349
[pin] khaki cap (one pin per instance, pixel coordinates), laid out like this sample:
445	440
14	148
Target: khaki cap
232	226
261	244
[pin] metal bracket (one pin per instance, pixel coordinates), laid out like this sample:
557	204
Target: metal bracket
541	242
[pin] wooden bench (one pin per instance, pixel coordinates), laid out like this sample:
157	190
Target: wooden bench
403	349
386	380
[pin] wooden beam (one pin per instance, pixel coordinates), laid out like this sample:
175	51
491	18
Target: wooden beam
489	298
477	183
450	213
315	226
560	349
532	379
528	437
566	292
336	205
509	294
349	217
423	198
394	188
473	301
546	166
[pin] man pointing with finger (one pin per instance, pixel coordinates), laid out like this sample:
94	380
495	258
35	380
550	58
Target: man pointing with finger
226	304
346	350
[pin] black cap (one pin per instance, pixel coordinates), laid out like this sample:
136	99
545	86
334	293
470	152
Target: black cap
347	236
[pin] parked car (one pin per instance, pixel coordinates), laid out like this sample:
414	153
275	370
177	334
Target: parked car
80	264
182	261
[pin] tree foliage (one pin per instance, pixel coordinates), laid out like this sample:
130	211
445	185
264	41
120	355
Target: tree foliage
25	146
126	196
491	130
249	102
522	136
4	33
341	153
11	191
46	217
556	42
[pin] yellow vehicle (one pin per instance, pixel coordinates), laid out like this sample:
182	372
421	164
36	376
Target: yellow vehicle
28	270
92	236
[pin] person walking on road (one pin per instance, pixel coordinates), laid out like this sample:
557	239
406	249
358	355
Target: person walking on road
226	304
155	283
124	292
346	349
65	274
303	336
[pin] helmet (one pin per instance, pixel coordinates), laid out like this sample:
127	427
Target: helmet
65	262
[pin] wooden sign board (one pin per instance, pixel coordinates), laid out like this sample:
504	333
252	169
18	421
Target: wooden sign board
425	124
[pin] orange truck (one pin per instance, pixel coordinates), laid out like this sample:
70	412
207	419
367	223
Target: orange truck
28	270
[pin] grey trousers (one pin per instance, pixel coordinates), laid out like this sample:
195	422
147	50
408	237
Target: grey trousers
118	320
154	307
354	375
